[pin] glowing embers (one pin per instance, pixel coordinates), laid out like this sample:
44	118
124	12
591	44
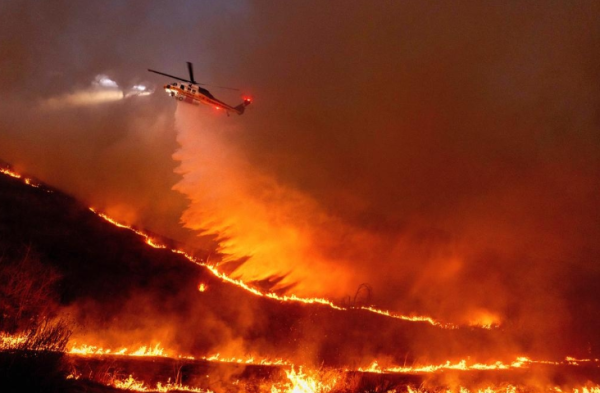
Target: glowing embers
576	362
202	287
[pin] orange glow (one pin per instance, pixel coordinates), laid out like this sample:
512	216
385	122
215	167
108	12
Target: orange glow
239	283
306	382
280	230
248	360
520	362
303	380
15	175
10	173
158	351
9	342
130	383
283	298
485	318
374	367
91	350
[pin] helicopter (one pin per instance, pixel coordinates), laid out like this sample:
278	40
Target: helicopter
192	93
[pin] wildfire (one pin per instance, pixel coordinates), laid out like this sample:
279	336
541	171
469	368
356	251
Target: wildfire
575	362
325	382
282	298
300	382
130	383
249	360
8	342
520	362
16	175
158	351
506	389
90	350
460	365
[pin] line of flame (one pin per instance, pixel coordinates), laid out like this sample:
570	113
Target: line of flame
282	298
520	362
315	381
16	175
157	350
130	383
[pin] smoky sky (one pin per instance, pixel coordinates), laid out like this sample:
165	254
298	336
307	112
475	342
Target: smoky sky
459	140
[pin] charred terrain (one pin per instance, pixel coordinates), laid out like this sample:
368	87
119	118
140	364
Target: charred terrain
93	305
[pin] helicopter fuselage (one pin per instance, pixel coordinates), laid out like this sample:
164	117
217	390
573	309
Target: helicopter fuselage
193	94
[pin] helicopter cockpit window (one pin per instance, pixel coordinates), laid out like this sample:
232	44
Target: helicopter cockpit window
182	87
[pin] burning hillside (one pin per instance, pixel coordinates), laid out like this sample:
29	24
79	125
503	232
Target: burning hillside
130	295
146	290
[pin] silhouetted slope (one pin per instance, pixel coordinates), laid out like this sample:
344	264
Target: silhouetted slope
118	291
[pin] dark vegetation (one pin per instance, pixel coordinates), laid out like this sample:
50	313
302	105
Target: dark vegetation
34	338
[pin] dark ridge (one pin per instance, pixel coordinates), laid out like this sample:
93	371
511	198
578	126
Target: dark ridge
122	292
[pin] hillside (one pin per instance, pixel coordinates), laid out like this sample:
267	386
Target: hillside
116	291
120	292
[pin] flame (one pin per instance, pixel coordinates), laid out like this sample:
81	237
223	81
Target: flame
485	318
311	382
158	351
282	298
26	180
374	367
248	360
300	381
152	242
505	389
321	382
9	342
130	383
91	350
575	362
521	362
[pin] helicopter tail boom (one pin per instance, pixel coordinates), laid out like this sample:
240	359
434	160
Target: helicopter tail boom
241	107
